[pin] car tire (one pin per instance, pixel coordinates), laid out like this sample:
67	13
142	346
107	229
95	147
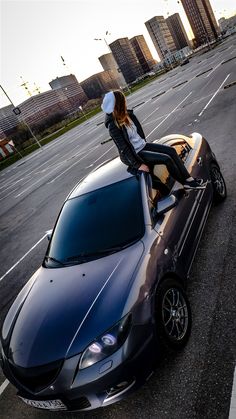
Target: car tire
173	315
218	184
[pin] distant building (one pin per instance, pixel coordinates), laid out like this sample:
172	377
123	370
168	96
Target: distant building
8	121
177	31
202	20
72	90
227	24
36	109
5	149
98	84
143	53
126	59
109	63
161	36
65	98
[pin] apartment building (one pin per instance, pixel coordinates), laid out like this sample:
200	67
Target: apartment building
126	59
143	53
202	20
177	31
161	36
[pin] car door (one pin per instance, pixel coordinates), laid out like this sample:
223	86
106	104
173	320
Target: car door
180	226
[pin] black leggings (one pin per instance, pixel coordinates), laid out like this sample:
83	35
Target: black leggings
153	154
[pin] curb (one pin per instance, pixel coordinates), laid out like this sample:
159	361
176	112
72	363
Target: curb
229	85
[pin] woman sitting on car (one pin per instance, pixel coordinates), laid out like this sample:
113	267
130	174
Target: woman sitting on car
127	133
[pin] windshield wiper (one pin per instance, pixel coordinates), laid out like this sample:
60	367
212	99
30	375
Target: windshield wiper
49	259
86	256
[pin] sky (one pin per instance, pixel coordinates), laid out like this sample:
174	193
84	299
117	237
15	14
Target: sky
34	34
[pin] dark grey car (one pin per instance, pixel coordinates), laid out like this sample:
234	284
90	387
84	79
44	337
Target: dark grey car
88	327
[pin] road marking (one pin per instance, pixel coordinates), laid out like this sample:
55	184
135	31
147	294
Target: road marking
72	165
213	69
95	161
169	114
23	257
184	85
232	410
3	386
39	180
200	114
150	114
9	193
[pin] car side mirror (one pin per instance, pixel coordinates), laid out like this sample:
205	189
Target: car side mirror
165	204
49	234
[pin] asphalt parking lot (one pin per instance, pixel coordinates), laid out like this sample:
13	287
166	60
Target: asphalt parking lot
198	97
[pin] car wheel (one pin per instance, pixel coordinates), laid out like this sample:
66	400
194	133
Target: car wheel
173	314
218	184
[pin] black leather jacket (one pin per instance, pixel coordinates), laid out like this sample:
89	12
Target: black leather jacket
120	137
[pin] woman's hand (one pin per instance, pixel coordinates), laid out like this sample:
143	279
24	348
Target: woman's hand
144	168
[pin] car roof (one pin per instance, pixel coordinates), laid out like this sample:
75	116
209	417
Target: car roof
109	172
112	171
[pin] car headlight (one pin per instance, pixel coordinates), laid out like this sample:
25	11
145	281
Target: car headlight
107	343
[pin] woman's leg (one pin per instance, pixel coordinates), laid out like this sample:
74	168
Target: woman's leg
152	158
170	151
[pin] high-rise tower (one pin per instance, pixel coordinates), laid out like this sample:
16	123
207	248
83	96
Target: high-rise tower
143	53
126	59
161	36
202	20
177	31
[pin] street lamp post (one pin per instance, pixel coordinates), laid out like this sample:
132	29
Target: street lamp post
18	112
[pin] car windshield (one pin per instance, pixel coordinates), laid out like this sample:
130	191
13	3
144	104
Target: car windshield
97	223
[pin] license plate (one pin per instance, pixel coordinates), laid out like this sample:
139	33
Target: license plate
45	404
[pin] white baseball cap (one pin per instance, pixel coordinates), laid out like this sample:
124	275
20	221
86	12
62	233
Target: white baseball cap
108	103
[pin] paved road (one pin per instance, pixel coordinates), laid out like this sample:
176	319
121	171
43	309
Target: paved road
196	383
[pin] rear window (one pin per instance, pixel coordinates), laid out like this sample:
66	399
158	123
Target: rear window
97	223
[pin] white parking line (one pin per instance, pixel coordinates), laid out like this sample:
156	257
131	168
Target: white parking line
95	161
232	411
156	109
3	386
72	165
205	107
23	257
169	114
214	69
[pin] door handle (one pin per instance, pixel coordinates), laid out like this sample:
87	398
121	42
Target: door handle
199	161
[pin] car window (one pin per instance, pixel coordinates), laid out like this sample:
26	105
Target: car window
98	222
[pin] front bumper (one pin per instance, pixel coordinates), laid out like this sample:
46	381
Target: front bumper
99	385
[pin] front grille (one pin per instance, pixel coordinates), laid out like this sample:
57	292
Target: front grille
36	378
78	404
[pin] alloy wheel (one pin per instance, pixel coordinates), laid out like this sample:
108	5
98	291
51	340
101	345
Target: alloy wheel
175	314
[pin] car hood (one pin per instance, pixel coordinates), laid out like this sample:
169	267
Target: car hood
67	308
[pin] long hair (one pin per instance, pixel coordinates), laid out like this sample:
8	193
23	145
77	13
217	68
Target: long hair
120	112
